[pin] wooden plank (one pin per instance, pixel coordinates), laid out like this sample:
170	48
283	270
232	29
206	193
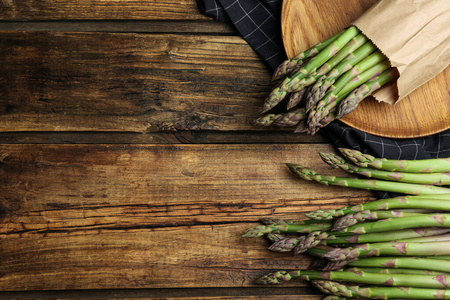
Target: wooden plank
150	216
197	27
128	82
168	137
172	293
100	9
206	26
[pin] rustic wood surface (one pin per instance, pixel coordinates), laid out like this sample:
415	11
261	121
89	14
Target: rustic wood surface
128	165
305	23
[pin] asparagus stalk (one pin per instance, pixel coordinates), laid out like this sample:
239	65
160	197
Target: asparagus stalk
266	120
334	297
338	238
367	63
388	248
285	228
352	219
395	279
395	271
291	118
418	178
285	119
345	85
291	64
425	220
296	98
350	103
438	202
276	221
301	127
295	82
322	84
380	292
351	46
286	244
421	263
436	165
378	185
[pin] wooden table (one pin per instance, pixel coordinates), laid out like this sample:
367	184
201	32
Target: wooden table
129	167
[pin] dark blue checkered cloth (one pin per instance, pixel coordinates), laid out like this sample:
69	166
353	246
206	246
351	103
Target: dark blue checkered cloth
258	22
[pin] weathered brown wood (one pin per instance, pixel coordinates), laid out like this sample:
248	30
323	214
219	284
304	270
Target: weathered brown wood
100	9
167	137
197	27
272	293
150	216
128	82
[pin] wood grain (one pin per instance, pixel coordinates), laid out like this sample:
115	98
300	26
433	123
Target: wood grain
425	111
128	82
100	9
144	216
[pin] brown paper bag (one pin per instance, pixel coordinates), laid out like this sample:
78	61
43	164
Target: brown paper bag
414	35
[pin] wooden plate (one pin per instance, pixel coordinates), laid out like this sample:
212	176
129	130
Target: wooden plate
425	111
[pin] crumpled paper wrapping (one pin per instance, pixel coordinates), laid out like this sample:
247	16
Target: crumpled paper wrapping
414	35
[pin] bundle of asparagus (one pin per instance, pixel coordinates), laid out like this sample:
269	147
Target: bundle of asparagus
325	82
395	248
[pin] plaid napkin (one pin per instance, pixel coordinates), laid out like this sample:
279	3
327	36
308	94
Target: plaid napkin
258	22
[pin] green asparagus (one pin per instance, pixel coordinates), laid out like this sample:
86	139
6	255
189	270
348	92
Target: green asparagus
394	279
435	165
288	65
285	228
295	82
403	262
424	220
418	178
380	292
350	102
378	185
343	87
324	82
438	202
388	248
352	219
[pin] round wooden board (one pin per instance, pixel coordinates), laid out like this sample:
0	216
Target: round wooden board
424	112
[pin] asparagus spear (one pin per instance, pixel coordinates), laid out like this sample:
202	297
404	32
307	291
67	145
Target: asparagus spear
350	103
425	220
291	118
276	221
378	185
266	120
322	83
286	244
379	292
351	46
395	271
345	85
352	219
339	238
419	178
284	119
296	98
399	279
438	202
403	262
285	228
435	165
296	81
367	63
290	64
388	248
334	297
